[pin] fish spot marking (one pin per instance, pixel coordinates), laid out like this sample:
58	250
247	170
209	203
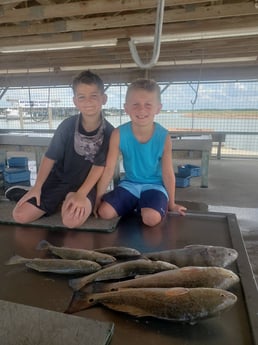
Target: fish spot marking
176	291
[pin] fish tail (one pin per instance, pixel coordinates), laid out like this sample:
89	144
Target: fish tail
16	259
78	283
43	245
79	301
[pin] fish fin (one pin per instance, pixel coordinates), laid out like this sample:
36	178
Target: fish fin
80	301
16	259
177	291
132	310
145	257
142	275
43	245
195	246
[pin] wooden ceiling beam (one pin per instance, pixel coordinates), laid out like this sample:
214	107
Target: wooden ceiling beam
119	21
207	26
50	10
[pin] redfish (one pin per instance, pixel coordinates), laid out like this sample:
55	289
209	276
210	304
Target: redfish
77	254
196	255
175	304
122	270
188	277
61	266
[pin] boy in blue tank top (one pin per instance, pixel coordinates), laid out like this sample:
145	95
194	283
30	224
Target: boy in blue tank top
148	185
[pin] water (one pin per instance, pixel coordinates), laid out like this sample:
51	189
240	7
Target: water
247	142
233	141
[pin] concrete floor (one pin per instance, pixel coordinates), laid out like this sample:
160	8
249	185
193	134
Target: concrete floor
233	188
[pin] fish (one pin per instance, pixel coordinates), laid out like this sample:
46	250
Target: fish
76	254
61	266
175	304
122	270
119	252
188	277
196	255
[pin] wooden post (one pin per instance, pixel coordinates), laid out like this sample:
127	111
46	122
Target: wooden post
21	117
50	117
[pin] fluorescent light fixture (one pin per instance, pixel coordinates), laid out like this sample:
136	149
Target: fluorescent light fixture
207	61
199	35
164	63
129	65
58	46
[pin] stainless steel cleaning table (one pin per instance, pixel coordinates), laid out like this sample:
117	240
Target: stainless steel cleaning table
239	326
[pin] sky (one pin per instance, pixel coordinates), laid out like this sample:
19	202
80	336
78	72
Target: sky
212	95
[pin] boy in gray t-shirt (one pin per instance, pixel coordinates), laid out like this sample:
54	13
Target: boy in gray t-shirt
73	162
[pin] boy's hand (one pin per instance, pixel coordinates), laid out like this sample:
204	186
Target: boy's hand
179	209
96	206
74	203
34	192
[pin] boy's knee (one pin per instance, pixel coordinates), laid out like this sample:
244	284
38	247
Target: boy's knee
72	223
151	217
106	211
20	217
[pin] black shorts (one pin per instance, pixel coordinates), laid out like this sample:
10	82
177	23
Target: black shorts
54	192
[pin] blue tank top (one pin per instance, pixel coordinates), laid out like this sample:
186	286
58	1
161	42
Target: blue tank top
142	161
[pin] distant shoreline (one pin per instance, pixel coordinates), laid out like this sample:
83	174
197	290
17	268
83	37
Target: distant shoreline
236	114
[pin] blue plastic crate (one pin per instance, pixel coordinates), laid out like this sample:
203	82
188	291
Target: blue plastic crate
182	181
17	162
2	166
189	170
7	185
12	175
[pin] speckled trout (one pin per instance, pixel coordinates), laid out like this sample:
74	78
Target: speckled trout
122	270
76	254
188	277
196	255
119	252
175	304
61	266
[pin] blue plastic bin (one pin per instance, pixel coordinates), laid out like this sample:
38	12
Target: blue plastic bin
182	181
18	162
12	175
189	170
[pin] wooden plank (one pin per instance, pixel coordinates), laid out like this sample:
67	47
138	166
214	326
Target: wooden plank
79	8
129	19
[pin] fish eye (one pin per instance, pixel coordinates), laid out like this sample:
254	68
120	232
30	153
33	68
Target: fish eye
91	300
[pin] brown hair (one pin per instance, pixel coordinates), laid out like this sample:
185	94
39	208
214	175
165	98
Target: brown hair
87	77
149	85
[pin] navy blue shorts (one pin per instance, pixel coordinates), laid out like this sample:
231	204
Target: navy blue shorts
54	192
125	202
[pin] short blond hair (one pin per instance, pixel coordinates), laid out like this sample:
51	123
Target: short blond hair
149	85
